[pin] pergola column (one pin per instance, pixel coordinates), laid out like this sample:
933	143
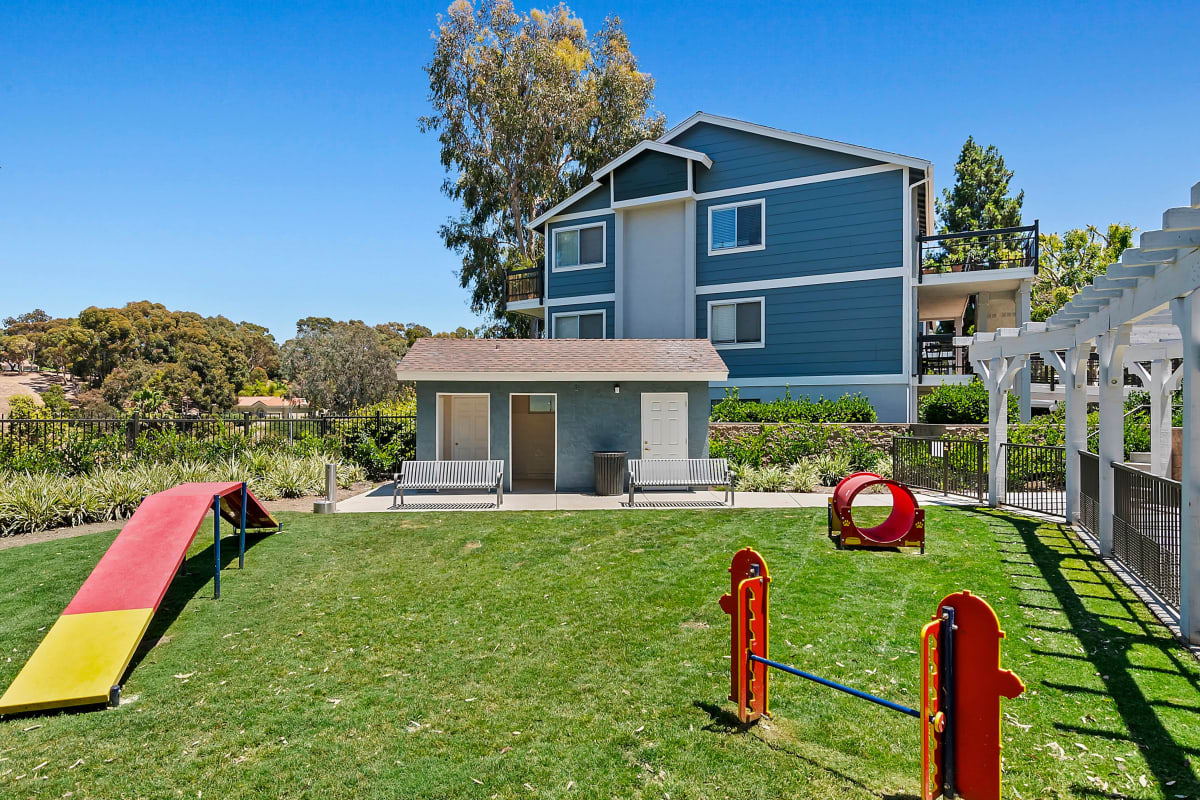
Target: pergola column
1072	371
1186	313
1024	381
998	374
1160	382
1111	347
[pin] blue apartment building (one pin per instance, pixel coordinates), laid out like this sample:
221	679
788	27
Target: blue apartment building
808	263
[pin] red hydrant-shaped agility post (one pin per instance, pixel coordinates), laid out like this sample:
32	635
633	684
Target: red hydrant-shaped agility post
746	605
904	527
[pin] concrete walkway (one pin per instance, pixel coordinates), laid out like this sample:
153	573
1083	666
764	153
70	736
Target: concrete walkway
380	499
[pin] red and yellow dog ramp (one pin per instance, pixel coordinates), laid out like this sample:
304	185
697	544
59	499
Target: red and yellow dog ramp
82	658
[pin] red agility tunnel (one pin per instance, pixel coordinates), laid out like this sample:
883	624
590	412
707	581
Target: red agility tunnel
904	526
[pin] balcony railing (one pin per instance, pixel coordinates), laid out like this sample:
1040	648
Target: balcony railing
941	356
973	251
523	284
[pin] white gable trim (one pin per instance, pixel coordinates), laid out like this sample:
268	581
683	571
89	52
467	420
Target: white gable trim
798	138
550	213
649	144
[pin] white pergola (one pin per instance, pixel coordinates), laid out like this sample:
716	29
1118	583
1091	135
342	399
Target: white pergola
1143	311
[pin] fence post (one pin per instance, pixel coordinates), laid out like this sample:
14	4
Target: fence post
132	428
246	424
945	468
979	471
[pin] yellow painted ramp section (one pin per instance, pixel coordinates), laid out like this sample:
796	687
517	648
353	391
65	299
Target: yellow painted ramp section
81	658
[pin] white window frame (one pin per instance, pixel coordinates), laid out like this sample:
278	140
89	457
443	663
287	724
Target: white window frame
762	245
603	312
602	225
762	323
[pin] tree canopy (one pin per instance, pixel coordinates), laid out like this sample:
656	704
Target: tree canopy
526	106
1069	262
146	357
979	198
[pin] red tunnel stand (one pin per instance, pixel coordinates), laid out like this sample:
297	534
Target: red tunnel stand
904	526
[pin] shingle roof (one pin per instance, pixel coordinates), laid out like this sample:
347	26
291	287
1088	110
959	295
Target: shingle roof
562	359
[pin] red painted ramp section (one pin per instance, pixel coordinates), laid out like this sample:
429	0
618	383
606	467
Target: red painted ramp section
146	555
87	650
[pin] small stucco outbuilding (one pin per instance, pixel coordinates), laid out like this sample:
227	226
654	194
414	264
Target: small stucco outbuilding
545	405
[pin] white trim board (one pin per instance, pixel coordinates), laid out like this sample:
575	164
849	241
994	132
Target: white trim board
549	213
658	146
653	199
577	377
798	138
786	183
803	280
582	299
818	380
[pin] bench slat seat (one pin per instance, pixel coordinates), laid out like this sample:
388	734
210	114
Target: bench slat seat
682	472
485	475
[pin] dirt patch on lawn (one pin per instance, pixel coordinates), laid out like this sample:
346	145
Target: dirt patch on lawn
290	504
29	383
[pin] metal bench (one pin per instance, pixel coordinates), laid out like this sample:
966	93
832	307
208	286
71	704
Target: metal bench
448	475
653	473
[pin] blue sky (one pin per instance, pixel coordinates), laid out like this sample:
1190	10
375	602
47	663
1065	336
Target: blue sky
262	160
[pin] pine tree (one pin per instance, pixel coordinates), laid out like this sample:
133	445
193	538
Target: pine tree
979	199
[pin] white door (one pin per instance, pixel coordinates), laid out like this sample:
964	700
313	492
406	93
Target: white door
468	428
664	425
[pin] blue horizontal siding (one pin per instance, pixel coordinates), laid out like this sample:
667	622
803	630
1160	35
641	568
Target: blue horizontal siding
599	280
831	226
595	200
741	158
648	174
853	328
609	309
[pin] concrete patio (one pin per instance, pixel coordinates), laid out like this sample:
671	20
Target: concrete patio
380	499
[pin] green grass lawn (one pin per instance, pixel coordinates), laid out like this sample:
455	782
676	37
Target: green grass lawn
584	655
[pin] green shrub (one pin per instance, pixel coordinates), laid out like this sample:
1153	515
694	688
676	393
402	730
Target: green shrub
961	404
847	408
802	476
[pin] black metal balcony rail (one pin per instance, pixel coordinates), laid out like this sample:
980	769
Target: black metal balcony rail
524	284
972	251
1146	527
1041	372
939	355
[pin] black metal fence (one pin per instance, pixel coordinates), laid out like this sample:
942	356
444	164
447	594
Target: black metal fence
948	466
1089	491
54	433
1146	527
1035	478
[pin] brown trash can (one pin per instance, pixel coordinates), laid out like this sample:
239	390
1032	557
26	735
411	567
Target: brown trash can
610	471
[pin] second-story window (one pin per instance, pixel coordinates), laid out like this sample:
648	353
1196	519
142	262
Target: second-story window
737	227
579	326
580	247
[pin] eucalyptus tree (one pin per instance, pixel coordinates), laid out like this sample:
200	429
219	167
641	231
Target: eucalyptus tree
525	106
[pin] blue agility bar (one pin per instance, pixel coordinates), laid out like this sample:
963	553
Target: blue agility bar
216	546
912	712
